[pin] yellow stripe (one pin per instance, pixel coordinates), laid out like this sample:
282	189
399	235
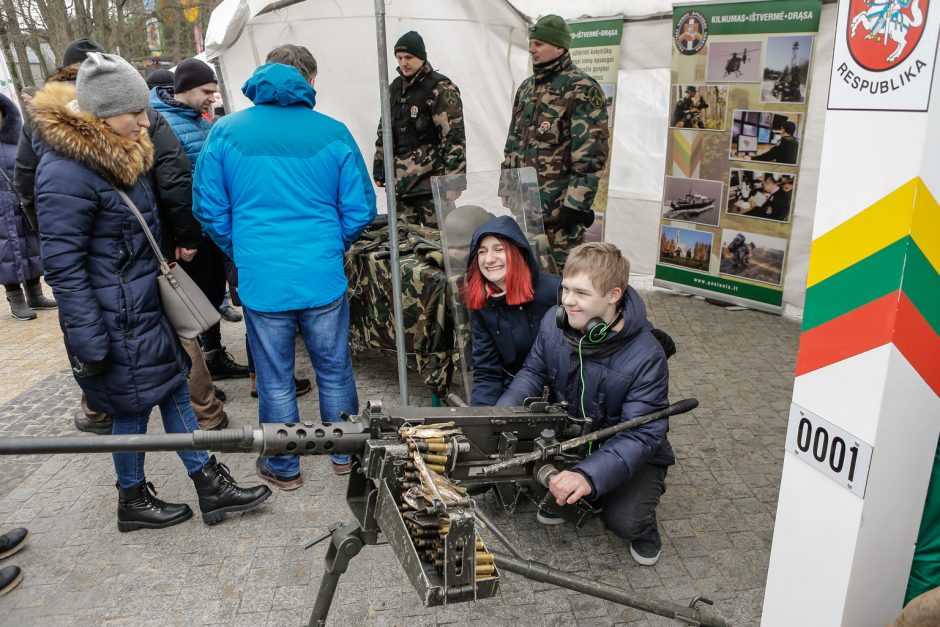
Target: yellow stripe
925	229
881	224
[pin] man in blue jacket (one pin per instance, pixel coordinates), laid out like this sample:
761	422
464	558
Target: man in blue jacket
184	106
284	191
605	361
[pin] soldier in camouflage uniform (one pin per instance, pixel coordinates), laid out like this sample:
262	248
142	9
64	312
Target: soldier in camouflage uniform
427	130
559	127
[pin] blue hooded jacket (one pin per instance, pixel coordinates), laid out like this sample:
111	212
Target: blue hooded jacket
625	376
503	334
188	124
284	191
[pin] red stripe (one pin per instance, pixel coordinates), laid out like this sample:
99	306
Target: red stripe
918	342
860	330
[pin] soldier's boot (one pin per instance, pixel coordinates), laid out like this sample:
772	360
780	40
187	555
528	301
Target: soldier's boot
139	508
18	306
220	495
222	365
36	299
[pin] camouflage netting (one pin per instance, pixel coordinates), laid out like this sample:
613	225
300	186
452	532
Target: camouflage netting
429	332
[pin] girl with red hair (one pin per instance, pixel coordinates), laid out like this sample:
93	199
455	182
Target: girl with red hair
507	297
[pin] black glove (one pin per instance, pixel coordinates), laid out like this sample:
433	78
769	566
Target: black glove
665	340
83	369
573	217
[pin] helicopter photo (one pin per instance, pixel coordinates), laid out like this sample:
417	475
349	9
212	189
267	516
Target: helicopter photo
734	61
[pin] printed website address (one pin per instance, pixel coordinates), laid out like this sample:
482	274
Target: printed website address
728	287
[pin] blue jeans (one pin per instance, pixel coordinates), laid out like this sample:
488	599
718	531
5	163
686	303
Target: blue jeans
325	331
178	417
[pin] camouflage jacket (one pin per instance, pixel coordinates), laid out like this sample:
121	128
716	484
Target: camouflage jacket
559	127
446	155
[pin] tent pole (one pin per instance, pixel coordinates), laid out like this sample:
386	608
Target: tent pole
390	198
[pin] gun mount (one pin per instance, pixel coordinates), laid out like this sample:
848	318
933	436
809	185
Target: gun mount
414	473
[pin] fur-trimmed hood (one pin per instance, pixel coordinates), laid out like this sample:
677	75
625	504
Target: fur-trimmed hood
12	121
86	139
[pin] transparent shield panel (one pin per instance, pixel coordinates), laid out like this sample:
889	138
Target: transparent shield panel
465	201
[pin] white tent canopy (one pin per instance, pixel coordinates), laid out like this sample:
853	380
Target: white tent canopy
482	46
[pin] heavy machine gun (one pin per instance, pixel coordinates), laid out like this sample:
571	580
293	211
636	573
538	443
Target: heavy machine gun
414	472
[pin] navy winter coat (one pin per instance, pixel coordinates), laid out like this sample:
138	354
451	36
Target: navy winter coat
629	381
19	245
188	124
502	334
101	268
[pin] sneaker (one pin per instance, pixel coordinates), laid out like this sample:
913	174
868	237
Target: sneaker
98	427
285	483
223	366
230	313
547	518
645	552
219	393
342	469
12	541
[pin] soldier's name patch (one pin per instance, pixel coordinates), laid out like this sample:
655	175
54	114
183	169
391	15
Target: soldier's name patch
596	97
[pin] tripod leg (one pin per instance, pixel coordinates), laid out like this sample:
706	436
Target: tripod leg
344	545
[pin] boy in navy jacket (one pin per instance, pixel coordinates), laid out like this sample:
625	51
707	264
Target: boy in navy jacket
624	373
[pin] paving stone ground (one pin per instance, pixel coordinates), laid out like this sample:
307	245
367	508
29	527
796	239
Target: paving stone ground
716	516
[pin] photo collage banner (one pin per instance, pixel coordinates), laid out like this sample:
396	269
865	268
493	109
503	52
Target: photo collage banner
738	101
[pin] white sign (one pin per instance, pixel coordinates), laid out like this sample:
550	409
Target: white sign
884	55
835	453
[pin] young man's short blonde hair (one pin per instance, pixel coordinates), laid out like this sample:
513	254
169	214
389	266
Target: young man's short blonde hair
603	264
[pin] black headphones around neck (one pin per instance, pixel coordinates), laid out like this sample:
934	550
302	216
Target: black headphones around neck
595	330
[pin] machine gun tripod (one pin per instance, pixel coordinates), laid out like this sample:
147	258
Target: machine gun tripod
413	470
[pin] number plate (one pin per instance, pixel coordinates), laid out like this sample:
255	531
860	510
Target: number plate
832	451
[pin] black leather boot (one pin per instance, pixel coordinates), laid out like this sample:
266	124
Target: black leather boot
220	495
36	299
18	306
139	508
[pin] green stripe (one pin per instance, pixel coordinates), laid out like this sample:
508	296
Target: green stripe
922	286
859	284
721	285
896	266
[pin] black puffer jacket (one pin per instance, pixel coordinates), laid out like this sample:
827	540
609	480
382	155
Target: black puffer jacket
98	262
172	179
503	334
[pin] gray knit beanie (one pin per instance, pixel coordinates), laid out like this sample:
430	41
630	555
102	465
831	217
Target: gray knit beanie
108	85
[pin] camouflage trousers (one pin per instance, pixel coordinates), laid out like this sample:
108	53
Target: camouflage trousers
418	210
562	241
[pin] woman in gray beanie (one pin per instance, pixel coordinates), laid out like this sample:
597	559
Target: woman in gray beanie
125	355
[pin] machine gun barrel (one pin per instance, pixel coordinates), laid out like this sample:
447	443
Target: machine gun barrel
680	407
266	439
536	571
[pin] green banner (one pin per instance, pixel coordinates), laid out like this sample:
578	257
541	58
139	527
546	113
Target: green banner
745	18
595	48
738	101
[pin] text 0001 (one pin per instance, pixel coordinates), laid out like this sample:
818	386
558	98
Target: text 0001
833	451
